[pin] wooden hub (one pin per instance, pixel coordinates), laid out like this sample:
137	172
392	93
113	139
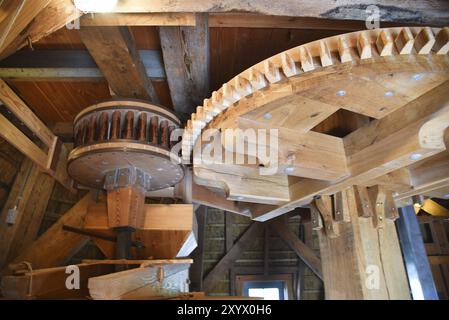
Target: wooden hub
118	134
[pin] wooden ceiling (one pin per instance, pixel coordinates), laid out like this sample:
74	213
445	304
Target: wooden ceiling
232	50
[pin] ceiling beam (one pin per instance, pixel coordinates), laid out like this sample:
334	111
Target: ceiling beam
222	267
186	57
429	12
72	65
114	50
138	19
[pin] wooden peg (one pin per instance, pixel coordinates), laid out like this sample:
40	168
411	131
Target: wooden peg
325	55
344	50
242	86
404	41
229	93
289	65
364	46
306	59
384	43
257	79
424	41
442	41
272	72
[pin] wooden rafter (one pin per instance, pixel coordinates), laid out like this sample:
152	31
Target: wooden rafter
41	19
231	256
53	160
186	57
115	52
302	250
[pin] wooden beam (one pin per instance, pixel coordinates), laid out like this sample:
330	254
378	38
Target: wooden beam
27	201
52	161
138	19
389	144
51	283
55	246
423	11
114	50
245	240
22	14
186	57
302	250
55	15
68	65
197	268
163	280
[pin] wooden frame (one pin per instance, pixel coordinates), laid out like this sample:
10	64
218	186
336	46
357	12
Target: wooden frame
288	280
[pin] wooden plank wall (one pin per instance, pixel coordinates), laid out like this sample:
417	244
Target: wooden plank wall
281	257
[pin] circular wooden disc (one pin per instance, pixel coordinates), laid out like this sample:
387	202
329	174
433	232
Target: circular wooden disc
88	165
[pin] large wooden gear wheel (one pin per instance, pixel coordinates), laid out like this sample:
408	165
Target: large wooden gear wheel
125	133
383	77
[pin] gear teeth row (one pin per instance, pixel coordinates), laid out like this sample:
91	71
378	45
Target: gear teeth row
308	57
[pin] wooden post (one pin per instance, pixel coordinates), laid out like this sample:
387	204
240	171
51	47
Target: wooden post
23	212
361	260
196	271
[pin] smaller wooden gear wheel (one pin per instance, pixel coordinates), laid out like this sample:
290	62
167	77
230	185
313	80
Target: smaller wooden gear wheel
113	136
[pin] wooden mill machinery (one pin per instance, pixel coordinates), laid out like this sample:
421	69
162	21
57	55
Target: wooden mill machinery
123	146
390	89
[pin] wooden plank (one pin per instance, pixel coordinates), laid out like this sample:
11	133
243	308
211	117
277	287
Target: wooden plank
138	19
21	16
302	250
54	16
186	57
157	217
51	283
424	11
125	73
230	257
160	278
21	142
44	65
197	268
23	112
30	193
388	143
55	246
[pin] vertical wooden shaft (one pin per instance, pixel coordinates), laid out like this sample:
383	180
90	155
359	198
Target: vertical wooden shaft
128	128
142	127
115	125
103	126
164	134
154	127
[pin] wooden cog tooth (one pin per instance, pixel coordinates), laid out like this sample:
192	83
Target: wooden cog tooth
384	43
306	59
271	71
442	41
243	86
344	50
364	46
218	101
229	93
207	104
289	65
257	79
325	55
404	41
424	41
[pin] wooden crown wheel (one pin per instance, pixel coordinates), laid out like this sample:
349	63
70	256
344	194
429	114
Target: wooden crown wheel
394	80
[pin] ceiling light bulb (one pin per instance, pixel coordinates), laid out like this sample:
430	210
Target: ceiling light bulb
341	93
95	5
